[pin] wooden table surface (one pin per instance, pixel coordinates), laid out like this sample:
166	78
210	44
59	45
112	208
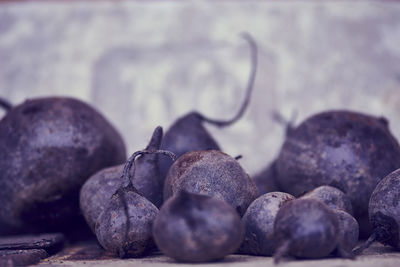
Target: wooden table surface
90	254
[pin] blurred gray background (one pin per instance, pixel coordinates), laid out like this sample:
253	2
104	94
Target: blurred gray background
146	63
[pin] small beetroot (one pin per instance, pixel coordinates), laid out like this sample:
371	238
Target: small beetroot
197	228
259	223
305	228
212	173
348	234
124	226
332	197
98	189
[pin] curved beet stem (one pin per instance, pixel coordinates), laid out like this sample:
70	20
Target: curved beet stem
281	251
5	104
127	176
366	245
249	87
128	186
345	253
287	123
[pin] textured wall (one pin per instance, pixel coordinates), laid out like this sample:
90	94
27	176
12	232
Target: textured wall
144	63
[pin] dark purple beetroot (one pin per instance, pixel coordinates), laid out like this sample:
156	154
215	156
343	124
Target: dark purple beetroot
384	212
343	149
98	189
212	173
305	228
332	197
188	133
124	227
197	228
348	233
48	148
126	237
259	223
265	180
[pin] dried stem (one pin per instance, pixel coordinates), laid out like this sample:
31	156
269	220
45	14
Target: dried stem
5	104
366	245
127	185
249	87
281	251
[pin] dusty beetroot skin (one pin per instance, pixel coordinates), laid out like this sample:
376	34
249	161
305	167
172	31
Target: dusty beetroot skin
332	197
188	132
384	213
48	148
212	173
197	228
384	210
98	189
259	223
127	233
343	149
348	233
305	228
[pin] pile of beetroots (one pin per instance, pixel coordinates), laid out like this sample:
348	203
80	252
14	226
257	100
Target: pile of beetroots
336	179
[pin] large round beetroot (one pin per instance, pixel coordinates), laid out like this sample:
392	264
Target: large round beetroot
384	213
48	148
347	150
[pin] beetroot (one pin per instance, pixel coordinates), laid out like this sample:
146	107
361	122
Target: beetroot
188	133
197	228
265	180
348	234
48	148
124	226
343	149
259	223
98	189
332	197
305	228
384	212
212	173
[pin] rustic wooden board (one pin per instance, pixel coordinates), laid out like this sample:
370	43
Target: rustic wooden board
51	243
21	257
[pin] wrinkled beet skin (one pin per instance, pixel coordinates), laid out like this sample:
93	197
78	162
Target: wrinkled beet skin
332	197
185	135
98	189
48	148
310	225
348	230
212	173
97	192
265	180
259	223
197	228
384	208
347	150
111	224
